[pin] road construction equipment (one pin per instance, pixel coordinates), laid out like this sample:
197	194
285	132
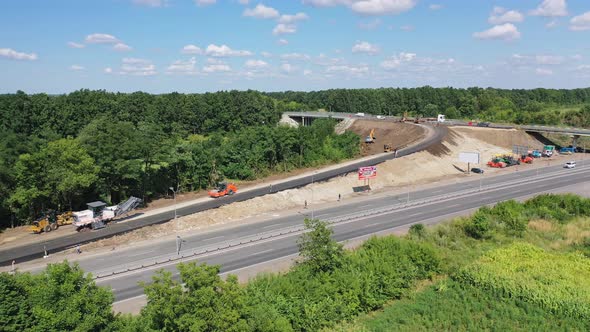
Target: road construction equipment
99	214
223	189
371	138
404	117
387	148
526	159
51	221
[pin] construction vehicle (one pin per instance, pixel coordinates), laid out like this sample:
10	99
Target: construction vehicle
526	159
99	214
387	148
223	189
497	163
371	138
404	117
418	118
535	154
548	150
51	221
569	150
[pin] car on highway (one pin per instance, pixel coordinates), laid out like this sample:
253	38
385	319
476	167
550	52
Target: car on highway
483	124
360	114
380	117
477	170
570	164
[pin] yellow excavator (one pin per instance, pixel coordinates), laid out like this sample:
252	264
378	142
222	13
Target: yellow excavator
387	148
51	221
371	138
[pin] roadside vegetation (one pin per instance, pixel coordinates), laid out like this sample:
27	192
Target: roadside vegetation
514	267
60	152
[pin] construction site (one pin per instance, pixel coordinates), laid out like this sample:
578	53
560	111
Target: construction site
437	164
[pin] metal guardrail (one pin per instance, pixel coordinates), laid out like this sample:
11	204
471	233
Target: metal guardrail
333	221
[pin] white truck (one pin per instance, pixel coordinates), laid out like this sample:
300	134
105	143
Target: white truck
99	214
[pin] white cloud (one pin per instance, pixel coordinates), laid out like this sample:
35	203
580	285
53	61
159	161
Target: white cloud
382	7
215	68
370	25
287	68
295	56
549	59
183	66
205	2
284	28
266	54
290	19
550	8
261	11
101	38
349	69
501	15
122	47
435	6
543	71
540	59
365	47
76	45
282	41
580	22
551	24
224	51
368	7
14	55
397	60
506	31
137	67
133	61
76	68
256	64
191	49
307	72
151	3
108	70
407	28
243	2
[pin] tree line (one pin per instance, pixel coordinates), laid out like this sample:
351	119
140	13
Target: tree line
537	106
60	152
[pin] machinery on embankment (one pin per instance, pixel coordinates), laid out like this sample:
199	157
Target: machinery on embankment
99	214
51	221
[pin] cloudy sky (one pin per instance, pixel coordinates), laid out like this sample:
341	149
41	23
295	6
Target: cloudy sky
273	45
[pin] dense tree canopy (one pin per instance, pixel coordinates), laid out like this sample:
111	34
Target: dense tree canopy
62	151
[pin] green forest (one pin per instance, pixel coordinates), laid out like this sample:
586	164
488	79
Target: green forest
538	106
514	267
61	151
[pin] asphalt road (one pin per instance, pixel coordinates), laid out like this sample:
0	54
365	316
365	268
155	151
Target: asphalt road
513	185
36	250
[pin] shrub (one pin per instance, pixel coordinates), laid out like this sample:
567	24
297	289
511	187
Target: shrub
478	227
417	231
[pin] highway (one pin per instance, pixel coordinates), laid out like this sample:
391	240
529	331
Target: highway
381	214
36	250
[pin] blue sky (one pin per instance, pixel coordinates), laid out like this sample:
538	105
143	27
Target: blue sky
162	46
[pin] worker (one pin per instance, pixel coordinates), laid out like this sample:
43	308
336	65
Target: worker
78	249
339	197
305	204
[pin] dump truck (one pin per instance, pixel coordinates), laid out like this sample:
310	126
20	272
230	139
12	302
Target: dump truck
223	189
51	221
98	214
548	150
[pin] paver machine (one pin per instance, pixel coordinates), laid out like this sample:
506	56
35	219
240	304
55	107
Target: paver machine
99	214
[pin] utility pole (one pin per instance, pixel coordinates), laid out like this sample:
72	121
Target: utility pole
178	240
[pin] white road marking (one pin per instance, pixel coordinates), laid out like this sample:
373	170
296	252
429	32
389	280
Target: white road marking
213	238
141	253
454	205
415	214
271	226
373	224
364	206
262	252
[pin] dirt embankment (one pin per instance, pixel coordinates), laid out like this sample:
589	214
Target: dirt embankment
398	135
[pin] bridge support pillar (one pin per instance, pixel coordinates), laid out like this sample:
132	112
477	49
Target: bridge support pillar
303	121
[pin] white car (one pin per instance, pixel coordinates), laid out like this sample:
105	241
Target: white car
570	164
360	114
380	117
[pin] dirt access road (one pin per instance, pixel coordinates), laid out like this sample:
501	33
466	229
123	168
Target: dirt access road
396	134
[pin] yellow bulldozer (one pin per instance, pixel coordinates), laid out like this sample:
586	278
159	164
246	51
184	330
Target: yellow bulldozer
51	221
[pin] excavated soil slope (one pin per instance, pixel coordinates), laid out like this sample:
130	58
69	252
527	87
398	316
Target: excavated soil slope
505	138
396	134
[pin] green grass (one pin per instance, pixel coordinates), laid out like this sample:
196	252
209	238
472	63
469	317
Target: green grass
450	306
